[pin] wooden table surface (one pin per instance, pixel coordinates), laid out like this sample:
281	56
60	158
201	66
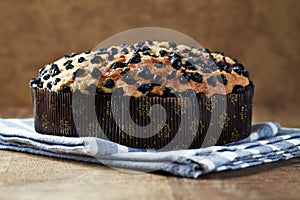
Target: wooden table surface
26	176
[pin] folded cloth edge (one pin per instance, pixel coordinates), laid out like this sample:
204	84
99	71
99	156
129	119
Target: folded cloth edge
99	151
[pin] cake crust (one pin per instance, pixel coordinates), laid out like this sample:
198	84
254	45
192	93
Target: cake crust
149	68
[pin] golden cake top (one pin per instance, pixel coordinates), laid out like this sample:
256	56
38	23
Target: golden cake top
148	68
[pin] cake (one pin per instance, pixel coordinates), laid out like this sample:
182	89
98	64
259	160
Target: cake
100	93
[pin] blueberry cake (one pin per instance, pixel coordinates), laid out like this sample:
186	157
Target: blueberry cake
145	74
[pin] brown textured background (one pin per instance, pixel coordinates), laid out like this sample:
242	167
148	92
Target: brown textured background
262	34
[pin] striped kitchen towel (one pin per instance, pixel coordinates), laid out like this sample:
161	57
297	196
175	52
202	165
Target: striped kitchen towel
268	142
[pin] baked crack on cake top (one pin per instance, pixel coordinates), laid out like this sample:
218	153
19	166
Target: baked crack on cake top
148	68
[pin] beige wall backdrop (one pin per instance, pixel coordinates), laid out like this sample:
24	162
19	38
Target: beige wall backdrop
262	34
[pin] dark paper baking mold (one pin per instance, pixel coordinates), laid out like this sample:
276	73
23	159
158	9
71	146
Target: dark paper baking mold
69	115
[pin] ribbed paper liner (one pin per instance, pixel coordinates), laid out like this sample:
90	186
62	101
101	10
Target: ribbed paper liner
57	113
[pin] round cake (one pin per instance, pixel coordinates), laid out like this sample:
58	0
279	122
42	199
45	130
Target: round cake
188	83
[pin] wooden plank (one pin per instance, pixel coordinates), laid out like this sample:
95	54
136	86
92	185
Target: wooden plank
37	177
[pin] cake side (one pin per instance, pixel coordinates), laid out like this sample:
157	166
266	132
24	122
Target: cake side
69	115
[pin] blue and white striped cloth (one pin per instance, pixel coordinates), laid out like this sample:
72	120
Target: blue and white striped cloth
267	143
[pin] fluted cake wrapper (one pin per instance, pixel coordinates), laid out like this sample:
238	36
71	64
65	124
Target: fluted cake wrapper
145	122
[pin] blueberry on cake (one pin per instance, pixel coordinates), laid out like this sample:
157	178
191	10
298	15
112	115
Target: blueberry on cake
145	74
